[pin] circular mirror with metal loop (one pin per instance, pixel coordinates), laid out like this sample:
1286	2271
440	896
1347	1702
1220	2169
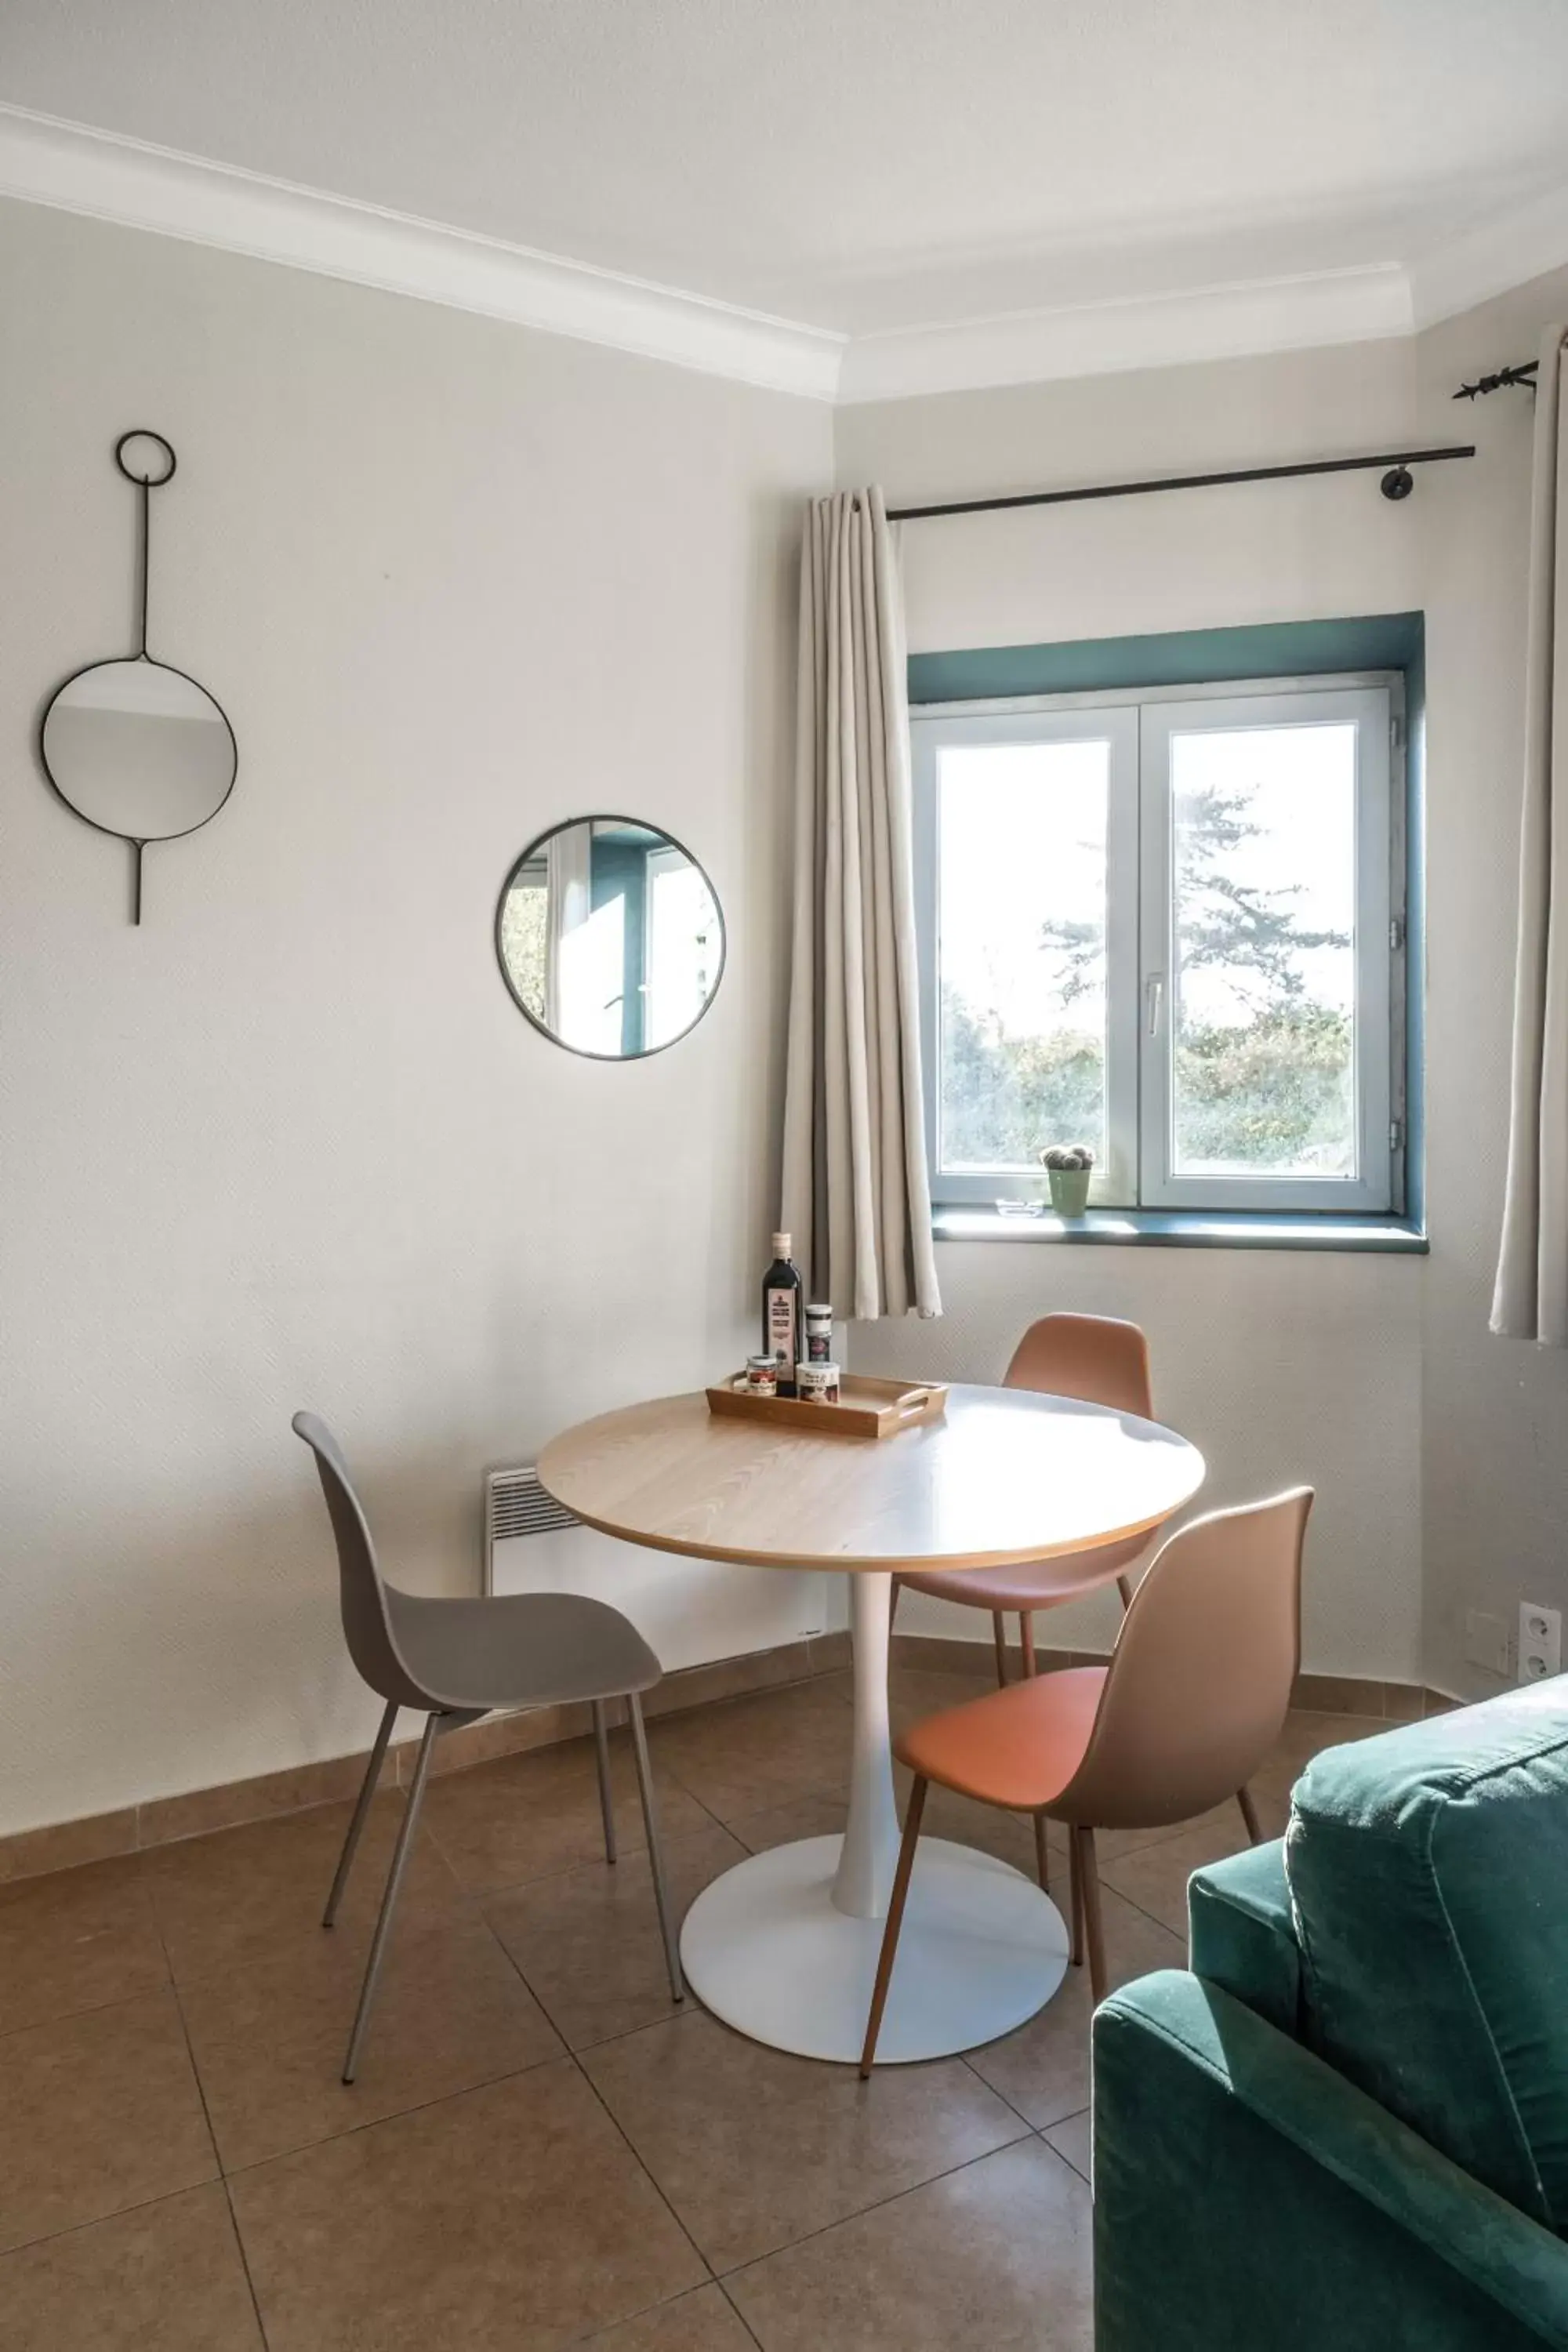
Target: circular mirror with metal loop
133	745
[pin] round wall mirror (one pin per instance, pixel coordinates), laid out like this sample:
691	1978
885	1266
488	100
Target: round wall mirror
610	937
139	749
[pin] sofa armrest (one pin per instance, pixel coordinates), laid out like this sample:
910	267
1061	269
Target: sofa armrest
1244	1932
1247	2195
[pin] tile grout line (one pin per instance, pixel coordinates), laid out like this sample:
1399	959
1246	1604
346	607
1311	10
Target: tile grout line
206	2118
69	2016
369	2122
894	2197
615	2121
631	2148
554	2057
397	2115
1042	2131
962	2057
740	2314
76	2229
665	2302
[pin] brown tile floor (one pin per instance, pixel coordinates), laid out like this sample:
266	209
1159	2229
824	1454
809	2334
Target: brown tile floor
538	2153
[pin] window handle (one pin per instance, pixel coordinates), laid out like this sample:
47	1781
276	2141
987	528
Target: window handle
1154	996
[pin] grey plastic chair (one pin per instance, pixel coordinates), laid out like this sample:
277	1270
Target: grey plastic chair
454	1661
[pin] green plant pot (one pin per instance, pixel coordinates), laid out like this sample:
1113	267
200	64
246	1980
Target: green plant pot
1069	1189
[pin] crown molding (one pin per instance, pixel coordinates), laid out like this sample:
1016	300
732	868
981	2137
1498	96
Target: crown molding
44	160
1507	249
1211	322
111	178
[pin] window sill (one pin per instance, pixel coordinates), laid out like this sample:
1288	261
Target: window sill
1187	1229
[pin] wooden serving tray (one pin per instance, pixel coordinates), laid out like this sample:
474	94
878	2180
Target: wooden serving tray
866	1408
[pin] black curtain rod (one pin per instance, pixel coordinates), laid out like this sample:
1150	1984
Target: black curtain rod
1396	483
1504	376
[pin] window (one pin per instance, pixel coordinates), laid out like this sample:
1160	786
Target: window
1171	928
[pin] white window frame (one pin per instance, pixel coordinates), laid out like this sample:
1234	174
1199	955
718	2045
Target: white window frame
1139	727
1112	1185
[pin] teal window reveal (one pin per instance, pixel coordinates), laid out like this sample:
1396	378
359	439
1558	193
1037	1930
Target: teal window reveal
1170	921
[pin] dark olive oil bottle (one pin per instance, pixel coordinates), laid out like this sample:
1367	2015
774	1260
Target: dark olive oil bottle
782	1328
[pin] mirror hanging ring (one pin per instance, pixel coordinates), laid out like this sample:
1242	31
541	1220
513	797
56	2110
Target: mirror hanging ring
132	746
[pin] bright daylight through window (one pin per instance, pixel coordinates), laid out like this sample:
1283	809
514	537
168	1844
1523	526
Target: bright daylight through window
1169	928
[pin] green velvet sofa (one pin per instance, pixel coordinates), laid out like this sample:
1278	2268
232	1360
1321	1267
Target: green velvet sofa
1347	2125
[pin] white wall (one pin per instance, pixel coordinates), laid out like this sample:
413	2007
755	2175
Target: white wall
1281	1366
291	1142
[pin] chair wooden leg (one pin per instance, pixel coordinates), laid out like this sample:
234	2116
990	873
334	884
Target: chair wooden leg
999	1628
1026	1636
1093	1926
1075	1900
1249	1815
1125	1586
1042	1854
895	1921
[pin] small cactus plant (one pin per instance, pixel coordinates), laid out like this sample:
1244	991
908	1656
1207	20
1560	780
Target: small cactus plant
1070	1169
1066	1155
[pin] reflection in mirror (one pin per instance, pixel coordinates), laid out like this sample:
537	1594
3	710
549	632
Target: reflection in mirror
139	749
610	937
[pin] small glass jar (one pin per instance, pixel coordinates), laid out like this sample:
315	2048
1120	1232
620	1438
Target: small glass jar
817	1383
819	1335
762	1376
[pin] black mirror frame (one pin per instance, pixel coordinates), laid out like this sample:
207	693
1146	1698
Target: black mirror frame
144	484
606	816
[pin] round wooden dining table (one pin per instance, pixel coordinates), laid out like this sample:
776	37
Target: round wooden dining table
784	1947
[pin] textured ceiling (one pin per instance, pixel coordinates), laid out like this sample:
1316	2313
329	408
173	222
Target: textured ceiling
860	165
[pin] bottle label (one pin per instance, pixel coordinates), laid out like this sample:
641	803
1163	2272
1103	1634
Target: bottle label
780	1328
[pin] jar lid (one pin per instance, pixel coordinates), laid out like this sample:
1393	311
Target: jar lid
818	1370
762	1364
823	1309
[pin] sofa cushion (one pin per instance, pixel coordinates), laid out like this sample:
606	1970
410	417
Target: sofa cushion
1243	1934
1429	1869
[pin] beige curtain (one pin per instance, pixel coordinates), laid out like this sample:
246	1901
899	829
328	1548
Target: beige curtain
1530	1301
856	1194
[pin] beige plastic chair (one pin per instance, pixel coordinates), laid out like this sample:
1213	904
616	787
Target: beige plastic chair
1193	1700
1101	1361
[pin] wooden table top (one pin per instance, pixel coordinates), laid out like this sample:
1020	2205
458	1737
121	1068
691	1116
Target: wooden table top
1005	1477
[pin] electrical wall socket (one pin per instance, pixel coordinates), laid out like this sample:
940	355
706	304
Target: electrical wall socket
1486	1643
1540	1641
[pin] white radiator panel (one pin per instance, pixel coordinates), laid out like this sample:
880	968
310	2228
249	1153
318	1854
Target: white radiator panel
690	1611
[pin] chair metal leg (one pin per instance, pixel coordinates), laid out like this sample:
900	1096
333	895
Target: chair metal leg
602	1756
361	1807
895	1921
1249	1815
1000	1629
389	1899
1026	1636
1093	1927
656	1859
